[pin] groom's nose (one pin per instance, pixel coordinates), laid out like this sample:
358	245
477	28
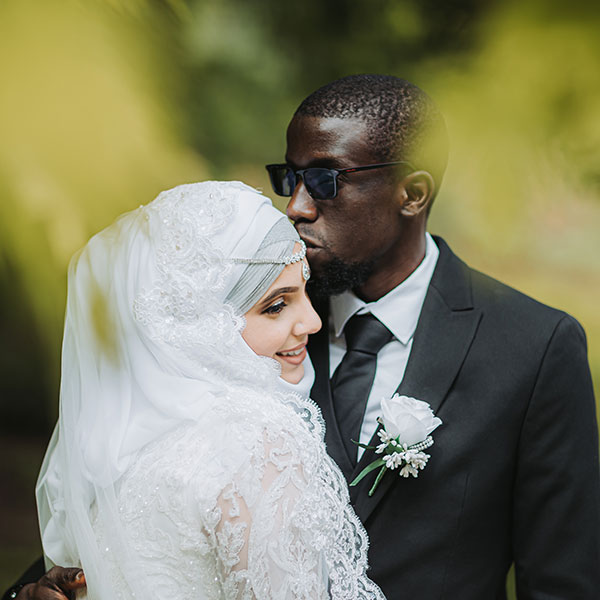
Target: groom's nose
301	206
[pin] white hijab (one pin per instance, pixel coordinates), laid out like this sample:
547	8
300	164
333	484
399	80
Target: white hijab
149	340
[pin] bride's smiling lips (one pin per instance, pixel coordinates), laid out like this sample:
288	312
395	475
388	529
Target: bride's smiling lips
295	355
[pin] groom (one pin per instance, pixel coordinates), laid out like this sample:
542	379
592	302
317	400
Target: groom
513	474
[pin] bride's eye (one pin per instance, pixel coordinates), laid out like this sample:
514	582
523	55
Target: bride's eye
275	308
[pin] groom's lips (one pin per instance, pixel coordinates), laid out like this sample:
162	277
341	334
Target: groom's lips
314	249
311	246
310	243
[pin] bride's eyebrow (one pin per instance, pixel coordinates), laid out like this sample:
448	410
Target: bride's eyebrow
277	292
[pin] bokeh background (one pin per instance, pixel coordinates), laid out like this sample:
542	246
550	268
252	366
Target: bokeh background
104	103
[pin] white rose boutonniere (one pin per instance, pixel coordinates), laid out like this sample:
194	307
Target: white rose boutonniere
407	426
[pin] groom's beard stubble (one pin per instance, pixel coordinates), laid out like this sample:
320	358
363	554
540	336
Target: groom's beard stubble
337	276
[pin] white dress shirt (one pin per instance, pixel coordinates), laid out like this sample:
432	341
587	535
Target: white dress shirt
399	311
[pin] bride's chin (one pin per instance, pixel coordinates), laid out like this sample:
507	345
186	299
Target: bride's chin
292	375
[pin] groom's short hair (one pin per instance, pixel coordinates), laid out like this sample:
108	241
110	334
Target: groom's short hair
403	121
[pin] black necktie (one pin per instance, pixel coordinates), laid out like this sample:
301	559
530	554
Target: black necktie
352	381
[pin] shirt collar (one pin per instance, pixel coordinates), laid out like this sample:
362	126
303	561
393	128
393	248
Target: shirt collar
400	308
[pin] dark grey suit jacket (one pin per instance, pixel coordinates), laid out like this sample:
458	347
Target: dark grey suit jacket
513	474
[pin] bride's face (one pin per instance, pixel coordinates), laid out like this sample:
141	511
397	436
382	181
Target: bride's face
278	325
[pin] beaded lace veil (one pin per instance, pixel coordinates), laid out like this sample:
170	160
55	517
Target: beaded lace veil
179	466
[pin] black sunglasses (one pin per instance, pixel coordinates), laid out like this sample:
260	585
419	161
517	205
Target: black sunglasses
320	183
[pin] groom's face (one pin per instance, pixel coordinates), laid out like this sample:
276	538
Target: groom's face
350	236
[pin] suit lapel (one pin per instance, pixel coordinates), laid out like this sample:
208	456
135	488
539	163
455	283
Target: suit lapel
444	334
318	349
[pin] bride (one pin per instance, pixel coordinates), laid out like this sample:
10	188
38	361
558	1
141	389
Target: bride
187	461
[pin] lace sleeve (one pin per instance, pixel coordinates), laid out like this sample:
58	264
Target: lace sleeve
283	529
250	507
261	551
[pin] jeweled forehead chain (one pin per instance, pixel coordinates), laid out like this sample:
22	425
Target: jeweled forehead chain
284	260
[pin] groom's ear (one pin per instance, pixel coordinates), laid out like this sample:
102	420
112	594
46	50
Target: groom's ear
416	191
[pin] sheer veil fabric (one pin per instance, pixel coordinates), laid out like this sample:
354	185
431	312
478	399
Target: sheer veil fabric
180	466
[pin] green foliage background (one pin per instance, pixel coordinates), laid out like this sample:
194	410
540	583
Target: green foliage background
104	103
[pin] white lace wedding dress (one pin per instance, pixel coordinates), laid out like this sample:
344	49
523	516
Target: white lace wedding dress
179	468
254	509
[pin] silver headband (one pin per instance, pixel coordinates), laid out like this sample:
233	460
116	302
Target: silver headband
273	255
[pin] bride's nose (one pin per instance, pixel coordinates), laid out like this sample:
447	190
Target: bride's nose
308	320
